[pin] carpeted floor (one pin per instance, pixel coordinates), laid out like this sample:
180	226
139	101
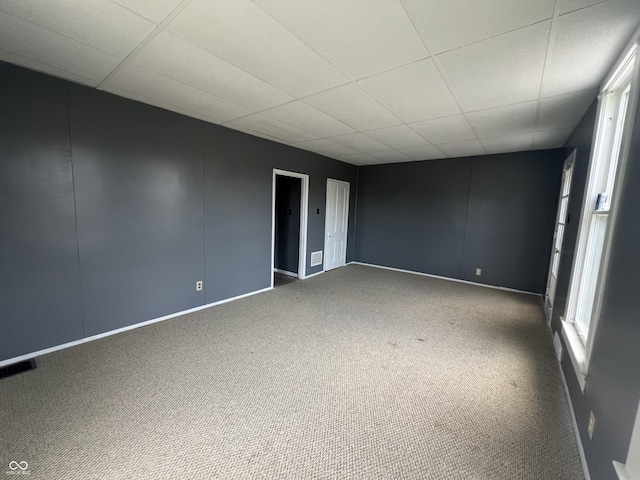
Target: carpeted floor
359	373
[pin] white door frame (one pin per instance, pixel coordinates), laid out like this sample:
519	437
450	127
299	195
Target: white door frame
549	296
324	256
304	208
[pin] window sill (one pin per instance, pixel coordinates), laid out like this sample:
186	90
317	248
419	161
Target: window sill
577	352
623	473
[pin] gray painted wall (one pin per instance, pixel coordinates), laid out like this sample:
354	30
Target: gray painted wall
449	217
138	186
287	218
412	215
613	385
161	201
39	275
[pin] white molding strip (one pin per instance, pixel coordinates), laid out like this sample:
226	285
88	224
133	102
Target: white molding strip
286	272
124	329
576	430
314	274
444	278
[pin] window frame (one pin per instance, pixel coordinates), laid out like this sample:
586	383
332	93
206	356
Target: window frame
578	347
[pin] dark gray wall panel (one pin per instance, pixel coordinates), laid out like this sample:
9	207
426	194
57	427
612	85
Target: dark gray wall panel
237	182
512	203
39	277
138	180
287	227
613	384
412	215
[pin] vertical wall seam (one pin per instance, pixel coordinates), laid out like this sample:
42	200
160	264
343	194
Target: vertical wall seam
75	208
204	222
466	221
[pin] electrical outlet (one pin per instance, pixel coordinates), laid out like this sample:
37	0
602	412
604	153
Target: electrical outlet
478	271
592	424
198	285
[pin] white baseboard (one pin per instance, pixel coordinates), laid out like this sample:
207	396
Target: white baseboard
124	329
314	274
286	272
444	278
576	430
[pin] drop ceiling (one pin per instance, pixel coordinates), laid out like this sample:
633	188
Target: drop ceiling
362	81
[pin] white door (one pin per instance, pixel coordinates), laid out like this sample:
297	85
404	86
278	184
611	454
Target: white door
558	236
336	224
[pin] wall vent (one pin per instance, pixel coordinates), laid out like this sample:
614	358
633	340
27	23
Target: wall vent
16	368
316	258
557	344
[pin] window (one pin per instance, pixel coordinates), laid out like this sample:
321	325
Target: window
598	213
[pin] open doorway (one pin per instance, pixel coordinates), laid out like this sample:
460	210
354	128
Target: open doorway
290	203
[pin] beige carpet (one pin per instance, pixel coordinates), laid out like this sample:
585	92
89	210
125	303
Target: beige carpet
357	373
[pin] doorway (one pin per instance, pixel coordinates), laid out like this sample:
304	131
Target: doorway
558	235
336	224
289	226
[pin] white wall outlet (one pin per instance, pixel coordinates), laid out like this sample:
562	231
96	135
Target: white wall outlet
198	285
478	271
592	424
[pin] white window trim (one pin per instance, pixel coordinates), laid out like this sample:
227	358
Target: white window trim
579	352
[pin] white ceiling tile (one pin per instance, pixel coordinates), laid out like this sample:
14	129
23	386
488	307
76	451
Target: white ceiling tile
45	68
85	21
501	121
360	37
585	43
176	58
413	92
391	156
499	71
38	44
242	34
351	105
400	136
551	138
446	25
510	143
144	82
566	6
254	133
564	111
463	149
360	159
272	127
160	104
445	130
424	153
154	10
360	143
326	147
307	118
